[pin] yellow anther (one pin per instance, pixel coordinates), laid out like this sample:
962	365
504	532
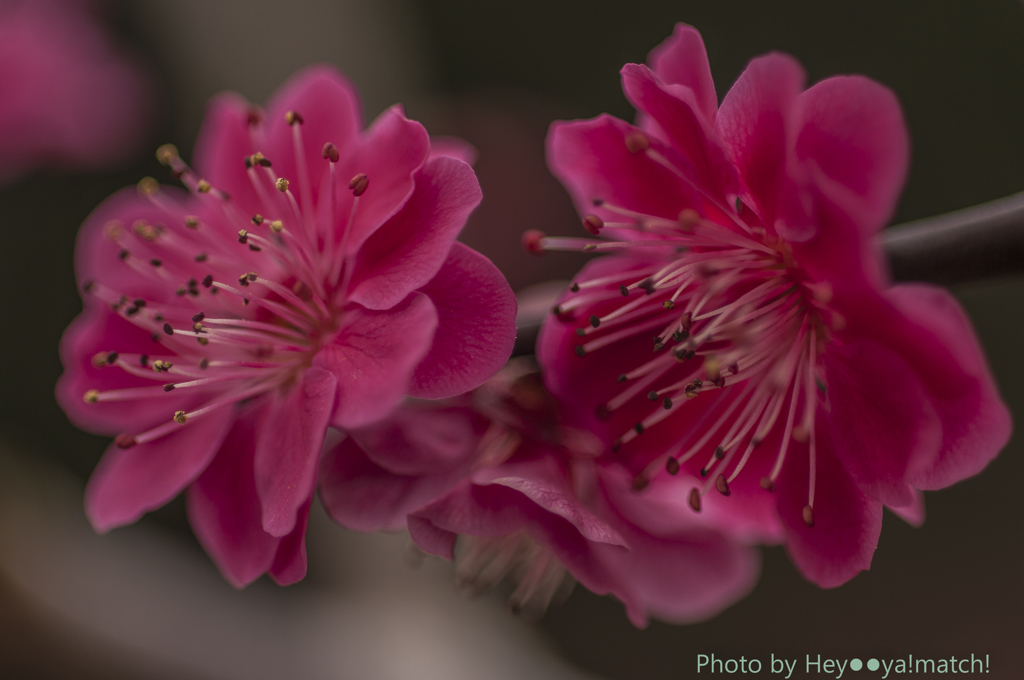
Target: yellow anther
91	397
167	153
180	417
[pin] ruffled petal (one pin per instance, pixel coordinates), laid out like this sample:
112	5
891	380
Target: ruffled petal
846	522
676	111
682	60
374	356
880	416
224	508
476	329
410	248
853	129
133	481
288	448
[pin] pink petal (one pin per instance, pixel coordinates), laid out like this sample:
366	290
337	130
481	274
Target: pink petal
453	147
674	108
880	416
756	122
389	153
476	329
689	577
853	129
431	539
223	143
975	422
288	448
422	441
541	480
133	481
360	495
331	112
912	514
682	60
410	248
374	356
224	508
592	161
290	561
846	522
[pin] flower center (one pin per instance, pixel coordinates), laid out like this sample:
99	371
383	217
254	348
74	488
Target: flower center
729	313
236	306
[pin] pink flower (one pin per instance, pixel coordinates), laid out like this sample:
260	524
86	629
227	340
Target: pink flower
308	278
743	330
527	496
70	100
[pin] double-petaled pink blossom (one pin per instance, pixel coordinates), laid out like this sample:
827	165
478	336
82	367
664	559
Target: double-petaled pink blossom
742	332
70	99
496	480
308	278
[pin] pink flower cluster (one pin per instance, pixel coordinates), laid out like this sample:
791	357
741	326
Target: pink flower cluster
70	99
735	370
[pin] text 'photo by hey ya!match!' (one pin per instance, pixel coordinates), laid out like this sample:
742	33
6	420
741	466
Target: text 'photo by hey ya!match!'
431	338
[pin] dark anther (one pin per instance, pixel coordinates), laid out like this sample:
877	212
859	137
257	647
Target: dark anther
111	357
155	262
581	332
243	236
640	483
767	484
580	352
243	280
201	257
168	387
144	360
207	280
624	291
254	248
139	302
703	472
595	321
131	311
667	403
203	363
168	330
124	441
652	395
598	202
575	287
722	484
719	452
695	499
330	152
199	317
357	185
87	286
123	255
622	378
672	466
647	285
602	412
257	219
639	428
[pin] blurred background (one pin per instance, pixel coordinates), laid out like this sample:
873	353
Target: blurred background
145	602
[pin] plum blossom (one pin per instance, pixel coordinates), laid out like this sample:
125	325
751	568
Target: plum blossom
496	480
70	99
740	348
308	278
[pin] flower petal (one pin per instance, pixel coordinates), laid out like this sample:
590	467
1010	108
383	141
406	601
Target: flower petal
288	448
756	122
846	522
682	60
912	514
290	561
409	249
476	329
975	422
591	159
853	129
360	495
374	356
453	147
224	507
421	440
130	482
880	416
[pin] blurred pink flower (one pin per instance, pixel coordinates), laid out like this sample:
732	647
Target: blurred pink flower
309	278
743	245
524	495
70	99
